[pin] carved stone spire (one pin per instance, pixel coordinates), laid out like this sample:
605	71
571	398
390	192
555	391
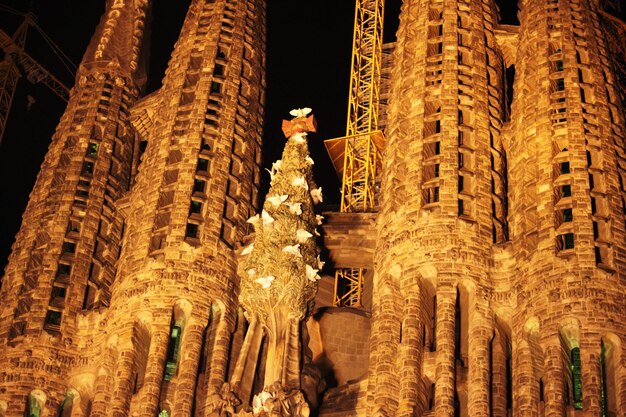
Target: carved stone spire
279	271
117	44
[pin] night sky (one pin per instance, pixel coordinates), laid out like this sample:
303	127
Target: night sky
308	64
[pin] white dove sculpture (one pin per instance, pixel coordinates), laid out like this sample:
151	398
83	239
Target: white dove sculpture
300	112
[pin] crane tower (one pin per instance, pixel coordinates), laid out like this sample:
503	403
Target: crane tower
357	155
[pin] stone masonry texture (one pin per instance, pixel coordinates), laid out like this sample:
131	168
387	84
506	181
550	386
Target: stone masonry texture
495	262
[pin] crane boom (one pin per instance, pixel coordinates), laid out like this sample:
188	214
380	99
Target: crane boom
35	73
9	74
357	156
15	58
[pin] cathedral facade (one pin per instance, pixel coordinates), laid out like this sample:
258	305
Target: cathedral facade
495	263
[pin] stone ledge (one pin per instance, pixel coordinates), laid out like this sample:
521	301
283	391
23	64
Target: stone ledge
350	238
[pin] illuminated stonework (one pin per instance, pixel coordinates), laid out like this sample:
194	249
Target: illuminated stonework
494	268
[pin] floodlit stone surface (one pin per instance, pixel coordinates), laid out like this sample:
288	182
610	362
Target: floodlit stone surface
495	264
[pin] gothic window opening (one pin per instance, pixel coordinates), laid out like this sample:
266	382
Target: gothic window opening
431	195
68	248
57	296
63	272
216	88
431	397
192	230
35	403
577	384
566	241
199	186
609	351
67	405
91	296
173	350
53	320
567	215
87	169
461	327
203	166
92	149
195	207
566	190
141	346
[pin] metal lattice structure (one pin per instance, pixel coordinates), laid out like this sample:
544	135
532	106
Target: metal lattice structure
348	287
357	155
16	59
361	154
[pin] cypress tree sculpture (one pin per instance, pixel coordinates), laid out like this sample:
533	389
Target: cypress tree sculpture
279	271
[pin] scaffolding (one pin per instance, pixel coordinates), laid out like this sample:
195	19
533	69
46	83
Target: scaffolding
357	156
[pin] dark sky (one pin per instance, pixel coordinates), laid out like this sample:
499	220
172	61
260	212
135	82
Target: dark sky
308	59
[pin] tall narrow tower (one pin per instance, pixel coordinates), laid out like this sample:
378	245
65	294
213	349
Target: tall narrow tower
568	178
87	328
480	306
441	209
62	260
174	300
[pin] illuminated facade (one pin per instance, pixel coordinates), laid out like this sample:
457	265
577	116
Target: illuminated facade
494	263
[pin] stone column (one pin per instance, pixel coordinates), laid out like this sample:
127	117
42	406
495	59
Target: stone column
410	354
188	369
120	402
219	356
100	402
525	403
591	376
242	358
499	377
480	332
553	379
151	390
385	330
292	359
620	380
445	372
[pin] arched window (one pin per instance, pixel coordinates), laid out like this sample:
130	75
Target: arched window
66	407
610	354
605	394
34	404
577	383
173	350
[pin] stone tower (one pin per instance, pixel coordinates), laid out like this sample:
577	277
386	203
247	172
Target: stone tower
62	264
120	295
499	265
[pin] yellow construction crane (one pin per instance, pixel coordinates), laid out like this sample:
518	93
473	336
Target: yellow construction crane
16	61
357	156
